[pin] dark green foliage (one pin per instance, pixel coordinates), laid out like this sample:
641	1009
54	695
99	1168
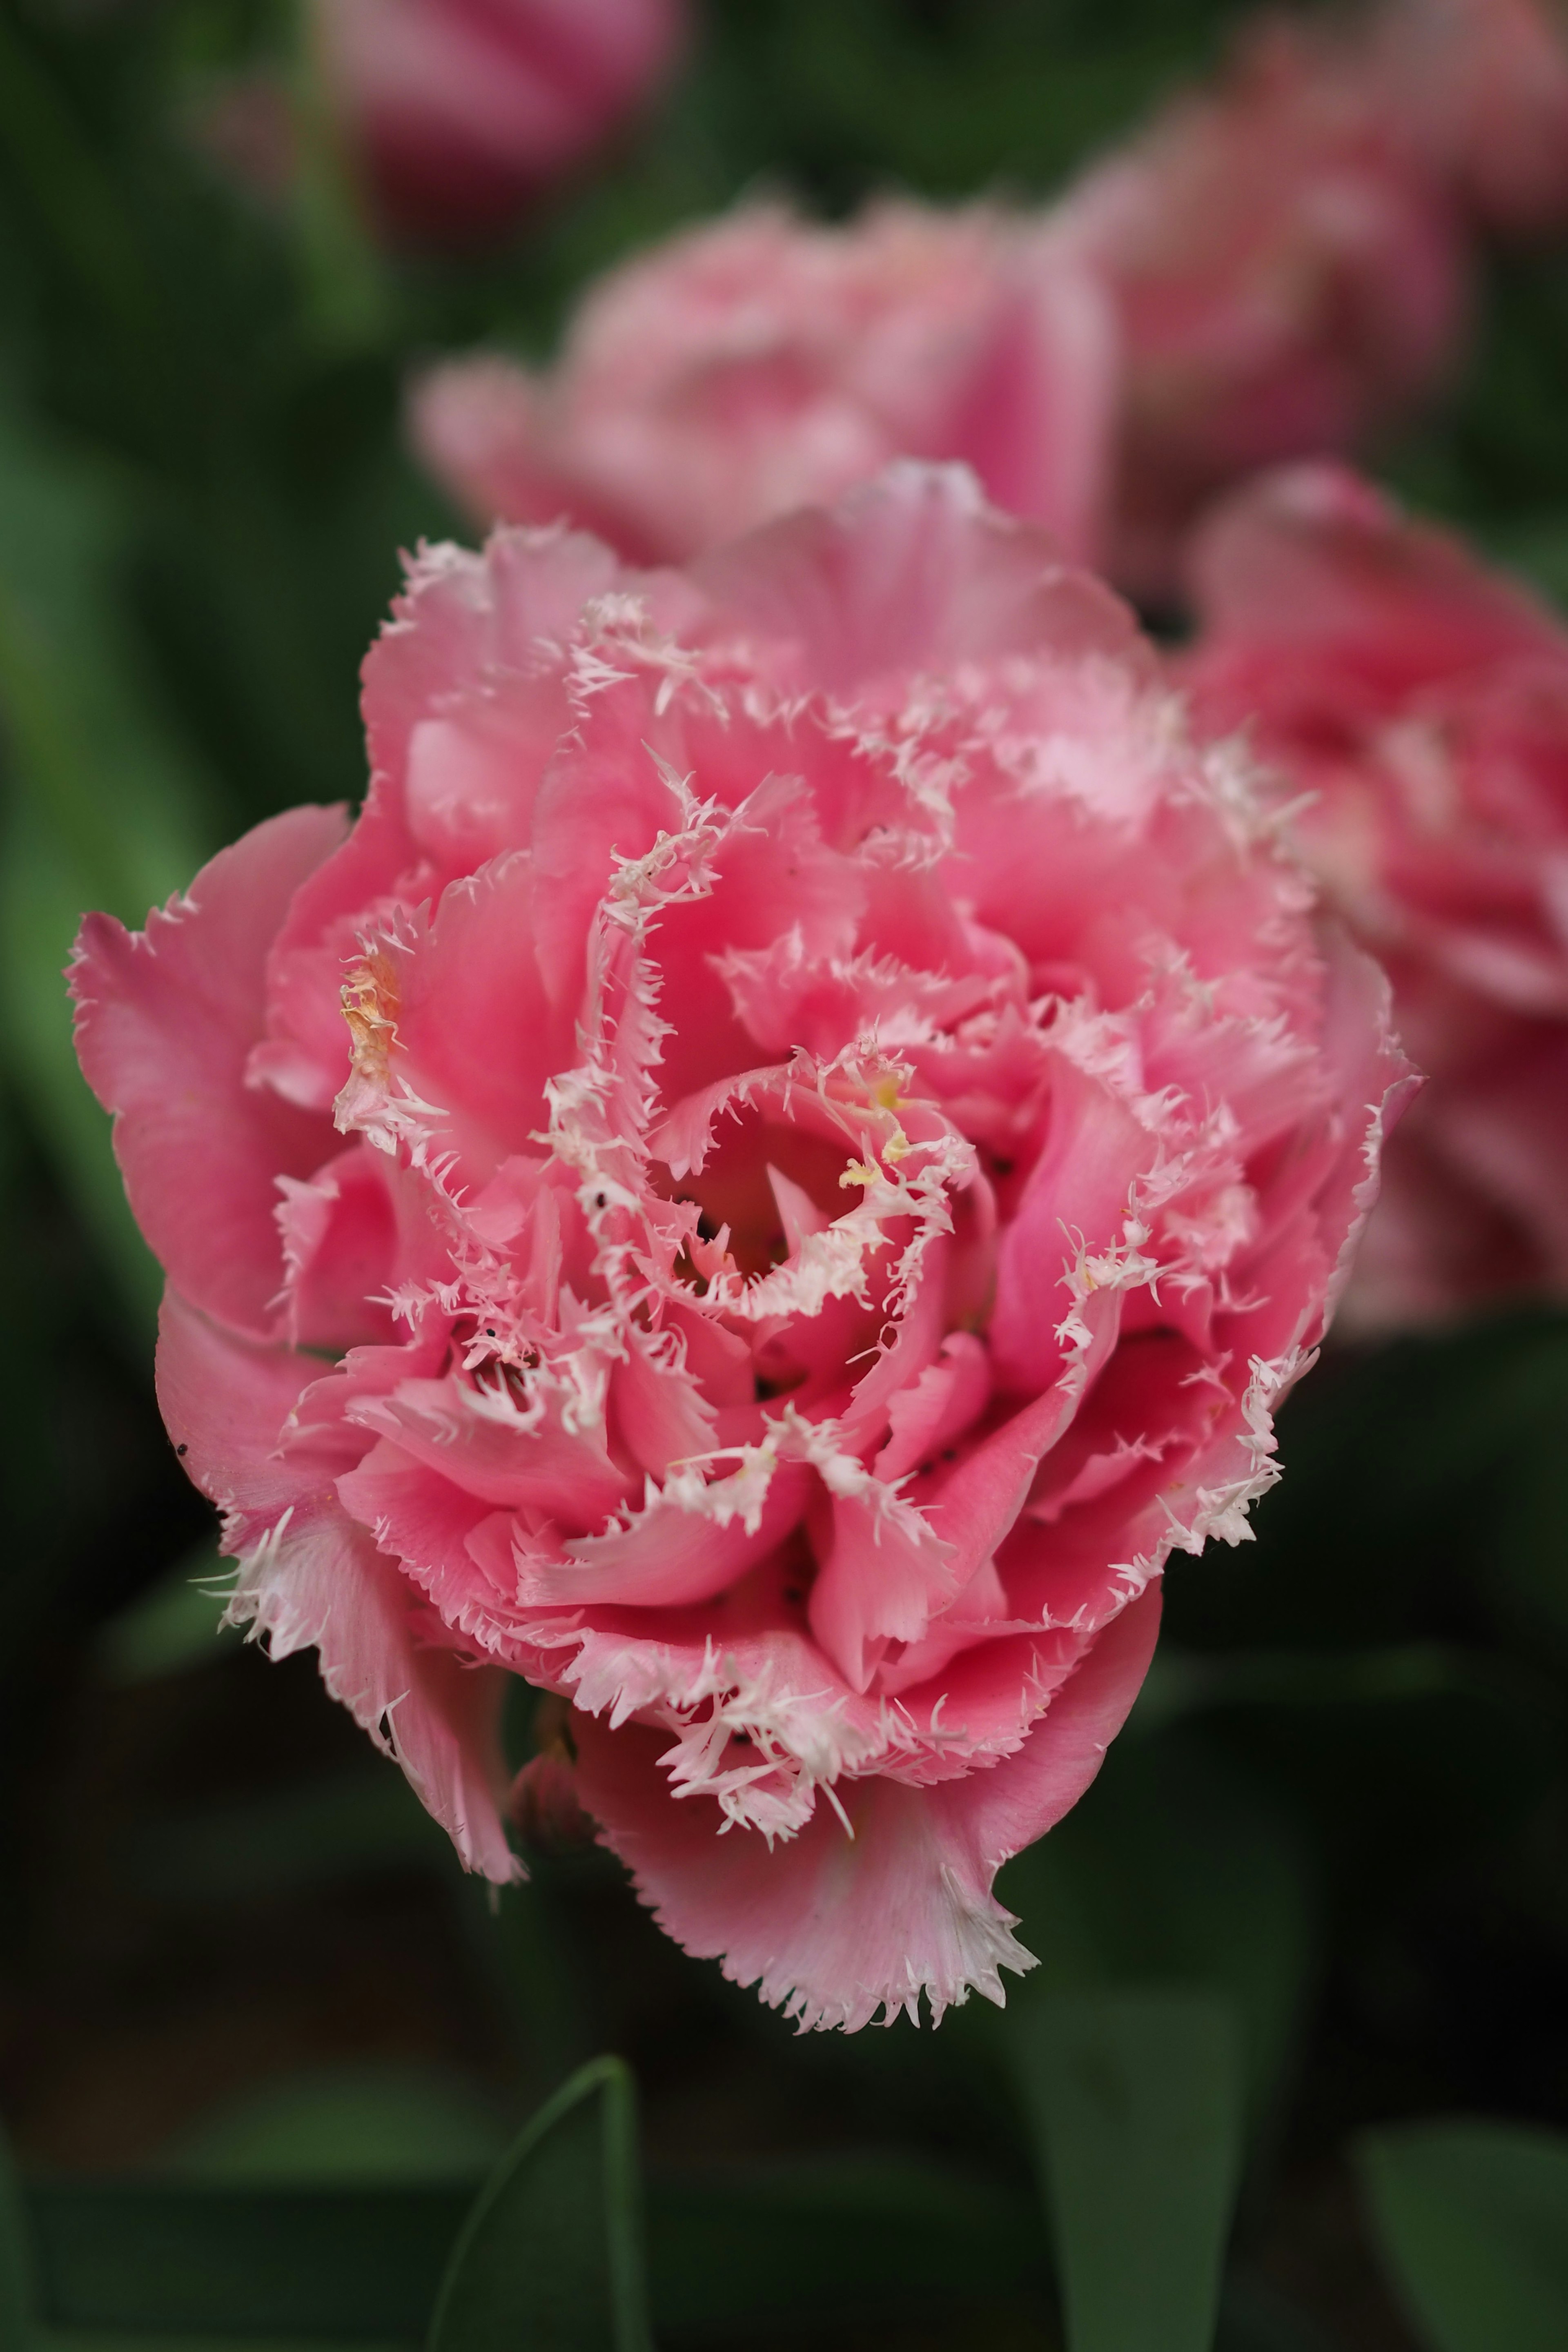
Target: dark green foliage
16	2264
1471	2220
1137	2104
797	2246
553	2254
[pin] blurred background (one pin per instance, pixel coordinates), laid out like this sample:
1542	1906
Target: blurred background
232	1947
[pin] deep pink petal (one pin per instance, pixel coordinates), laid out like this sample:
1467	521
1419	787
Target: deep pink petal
505	1448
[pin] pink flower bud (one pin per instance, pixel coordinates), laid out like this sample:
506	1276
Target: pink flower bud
462	109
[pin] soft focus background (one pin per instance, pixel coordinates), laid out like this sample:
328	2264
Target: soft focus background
231	1944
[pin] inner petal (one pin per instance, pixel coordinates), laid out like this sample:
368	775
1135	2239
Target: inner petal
767	1187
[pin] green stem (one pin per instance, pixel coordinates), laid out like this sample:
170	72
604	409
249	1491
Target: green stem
347	294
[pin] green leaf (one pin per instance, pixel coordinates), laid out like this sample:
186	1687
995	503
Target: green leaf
551	2256
346	290
1177	1870
1471	2220
16	2263
84	215
42	897
882	2240
158	2258
1136	2100
1254	2316
747	2247
171	1627
105	807
384	2121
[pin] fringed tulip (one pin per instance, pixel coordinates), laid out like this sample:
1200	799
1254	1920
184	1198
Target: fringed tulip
775	1172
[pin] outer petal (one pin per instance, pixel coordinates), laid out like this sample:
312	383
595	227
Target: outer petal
1377	1085
464	692
1314	553
1037	420
832	1931
483	425
305	1055
910	573
165	1021
311	1579
463	111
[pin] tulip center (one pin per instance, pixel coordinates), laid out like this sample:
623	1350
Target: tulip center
763	1189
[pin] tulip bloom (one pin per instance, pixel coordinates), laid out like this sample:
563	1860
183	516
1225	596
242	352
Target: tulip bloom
781	1165
761	362
461	111
1288	275
1482	87
1415	706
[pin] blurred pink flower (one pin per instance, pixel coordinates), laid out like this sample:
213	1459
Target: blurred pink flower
761	362
464	109
1287	273
1482	86
772	1176
1422	702
458	112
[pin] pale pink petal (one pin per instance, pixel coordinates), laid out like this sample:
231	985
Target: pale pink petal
1312	552
1483	87
462	708
481	425
305	1054
1079	1198
883	1574
339	1240
833	1928
914	572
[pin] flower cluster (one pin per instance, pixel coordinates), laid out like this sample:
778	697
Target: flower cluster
1287	274
1279	266
779	1167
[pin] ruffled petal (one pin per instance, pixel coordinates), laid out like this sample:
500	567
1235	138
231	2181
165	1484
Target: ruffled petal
832	1927
310	1578
165	1021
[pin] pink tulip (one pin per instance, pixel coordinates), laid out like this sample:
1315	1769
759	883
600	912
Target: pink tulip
462	109
1420	703
760	363
1482	86
776	1171
1289	274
